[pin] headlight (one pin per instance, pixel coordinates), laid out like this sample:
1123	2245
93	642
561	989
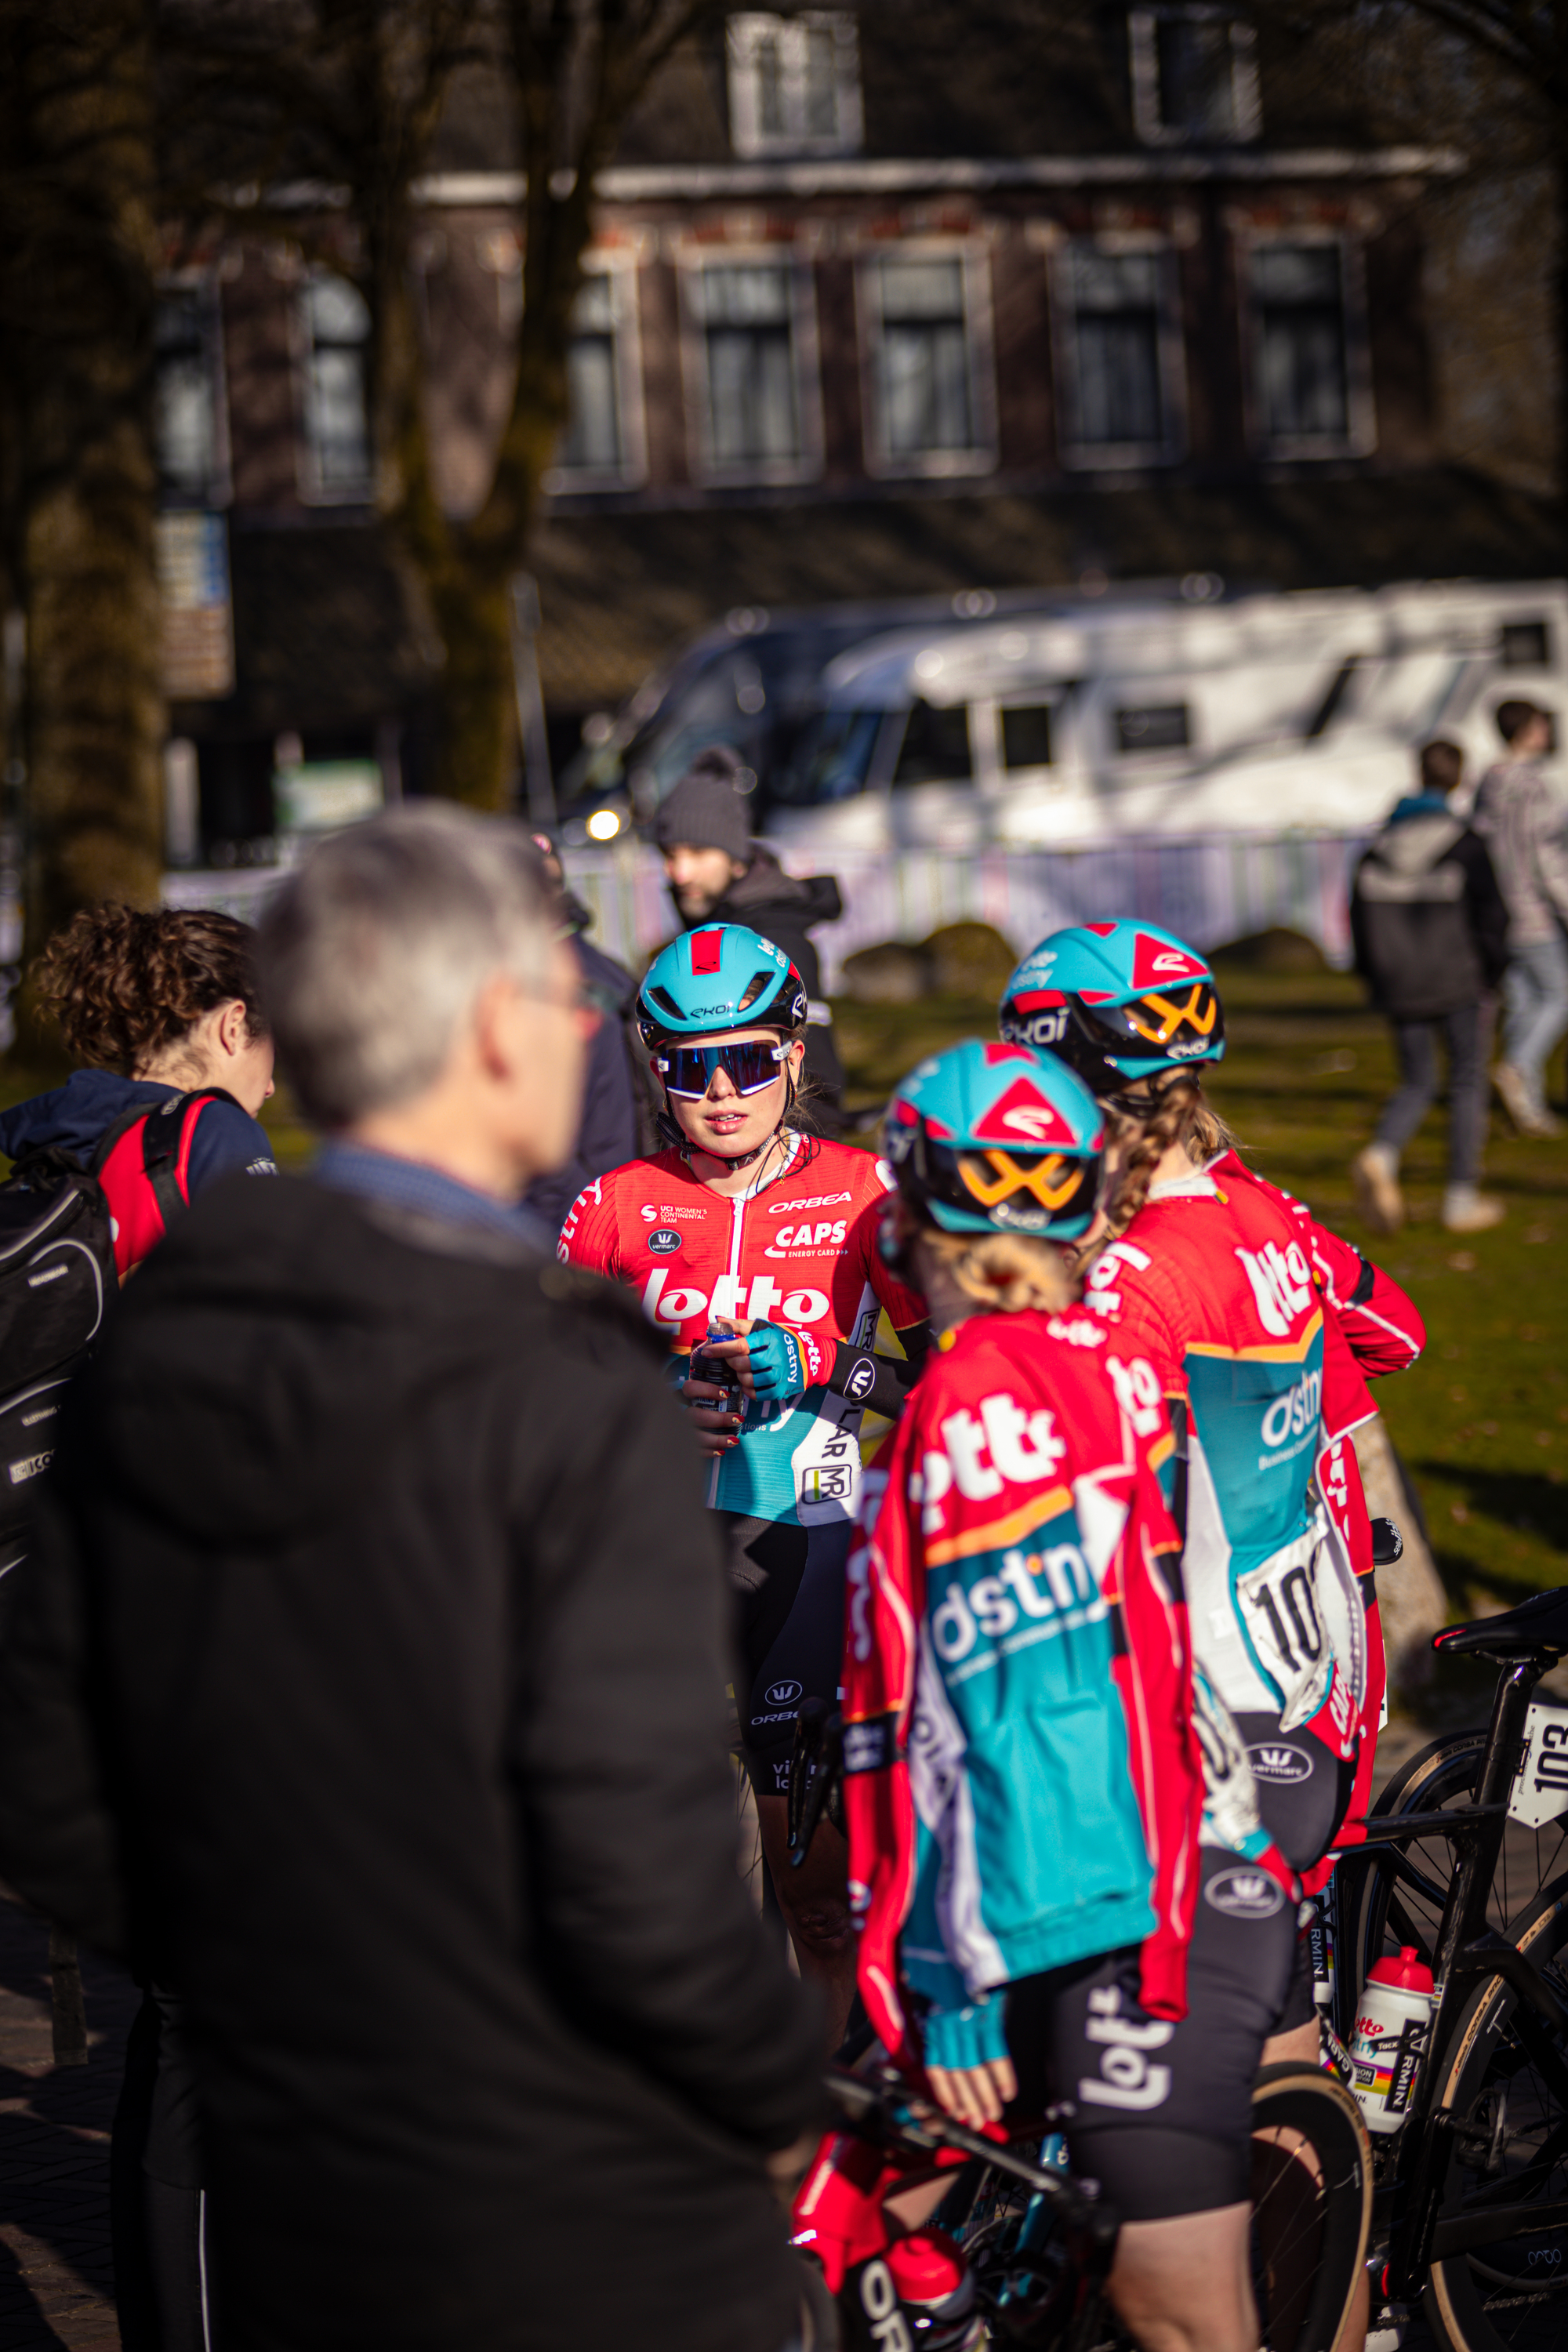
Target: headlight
604	824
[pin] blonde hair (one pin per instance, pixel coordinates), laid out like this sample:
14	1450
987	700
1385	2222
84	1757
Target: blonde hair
1180	1115
1004	1273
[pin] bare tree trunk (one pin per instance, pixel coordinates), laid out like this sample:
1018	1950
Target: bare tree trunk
1560	306
95	706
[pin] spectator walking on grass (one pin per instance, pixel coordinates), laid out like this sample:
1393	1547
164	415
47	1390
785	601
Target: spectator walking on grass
368	1682
1429	923
1520	819
718	874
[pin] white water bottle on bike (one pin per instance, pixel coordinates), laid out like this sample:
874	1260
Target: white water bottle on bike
1394	2017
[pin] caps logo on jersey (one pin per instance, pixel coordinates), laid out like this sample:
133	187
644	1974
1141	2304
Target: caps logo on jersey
1157	964
1023	1116
665	1243
785	1693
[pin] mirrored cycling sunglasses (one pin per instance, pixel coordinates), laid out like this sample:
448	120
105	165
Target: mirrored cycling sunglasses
689	1070
1050	1177
1167	1019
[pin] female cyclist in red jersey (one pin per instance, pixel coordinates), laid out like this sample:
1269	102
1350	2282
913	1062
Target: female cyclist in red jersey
753	1244
1023	1784
1262	1328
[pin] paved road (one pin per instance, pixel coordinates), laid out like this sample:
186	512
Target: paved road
55	2287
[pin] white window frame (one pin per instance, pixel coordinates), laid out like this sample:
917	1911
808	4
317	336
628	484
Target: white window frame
207	283
1360	439
744	35
621	269
973	253
1104	457
313	490
1142	33
804	345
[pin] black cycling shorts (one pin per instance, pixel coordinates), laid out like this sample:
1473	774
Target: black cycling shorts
1300	1999
1161	2114
1303	1788
789	1583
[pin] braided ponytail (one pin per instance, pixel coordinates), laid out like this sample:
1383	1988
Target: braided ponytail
1180	1116
1004	1273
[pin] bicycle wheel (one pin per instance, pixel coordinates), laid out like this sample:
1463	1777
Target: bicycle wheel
1510	2151
1311	2206
1392	1912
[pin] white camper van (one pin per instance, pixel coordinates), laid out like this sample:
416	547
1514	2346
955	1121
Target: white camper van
1130	717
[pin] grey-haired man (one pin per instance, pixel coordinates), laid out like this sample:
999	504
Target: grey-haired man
368	1684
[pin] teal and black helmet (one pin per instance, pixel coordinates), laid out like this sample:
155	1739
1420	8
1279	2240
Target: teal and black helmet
997	1139
1115	1001
720	977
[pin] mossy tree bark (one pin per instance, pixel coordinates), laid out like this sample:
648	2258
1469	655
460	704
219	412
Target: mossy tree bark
353	96
575	71
80	251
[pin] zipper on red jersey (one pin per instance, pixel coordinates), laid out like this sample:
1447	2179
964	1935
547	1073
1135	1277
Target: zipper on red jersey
736	1312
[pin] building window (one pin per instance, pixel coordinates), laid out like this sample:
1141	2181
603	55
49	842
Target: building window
603	436
795	84
752	321
926	333
1194	76
1027	736
1156	727
1309	396
935	748
188	422
336	321
1120	353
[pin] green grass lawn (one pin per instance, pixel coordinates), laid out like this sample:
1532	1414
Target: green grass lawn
1482	1421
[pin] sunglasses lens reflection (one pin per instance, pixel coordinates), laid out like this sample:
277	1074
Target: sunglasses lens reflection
689	1070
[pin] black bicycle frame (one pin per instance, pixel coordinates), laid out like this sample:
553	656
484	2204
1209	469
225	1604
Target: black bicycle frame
882	2109
1467	1951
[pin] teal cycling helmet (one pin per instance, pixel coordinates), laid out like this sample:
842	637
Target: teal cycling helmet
1115	1001
719	977
989	1139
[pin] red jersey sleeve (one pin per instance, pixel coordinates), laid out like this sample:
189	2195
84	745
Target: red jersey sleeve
590	1236
884	1597
1153	1674
904	1306
1379	1322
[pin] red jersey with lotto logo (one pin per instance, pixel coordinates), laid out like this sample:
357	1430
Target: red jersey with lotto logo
799	1248
1260	1325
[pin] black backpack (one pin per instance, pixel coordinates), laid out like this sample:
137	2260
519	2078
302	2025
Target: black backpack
57	1280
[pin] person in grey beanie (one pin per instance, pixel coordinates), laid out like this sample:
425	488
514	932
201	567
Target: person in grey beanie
718	874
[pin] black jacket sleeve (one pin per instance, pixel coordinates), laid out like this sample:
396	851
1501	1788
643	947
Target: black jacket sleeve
1486	906
627	1795
59	1844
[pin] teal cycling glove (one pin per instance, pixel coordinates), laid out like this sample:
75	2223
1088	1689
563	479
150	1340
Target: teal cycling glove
784	1364
972	2036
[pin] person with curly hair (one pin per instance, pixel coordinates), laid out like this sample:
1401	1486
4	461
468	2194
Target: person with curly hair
155	1005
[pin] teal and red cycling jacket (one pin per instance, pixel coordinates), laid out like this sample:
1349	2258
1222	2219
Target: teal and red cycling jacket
1023	1783
1263	1327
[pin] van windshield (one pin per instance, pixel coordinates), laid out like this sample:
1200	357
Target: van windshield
831	760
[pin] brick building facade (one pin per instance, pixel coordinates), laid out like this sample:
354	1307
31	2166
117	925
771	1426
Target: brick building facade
940	297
